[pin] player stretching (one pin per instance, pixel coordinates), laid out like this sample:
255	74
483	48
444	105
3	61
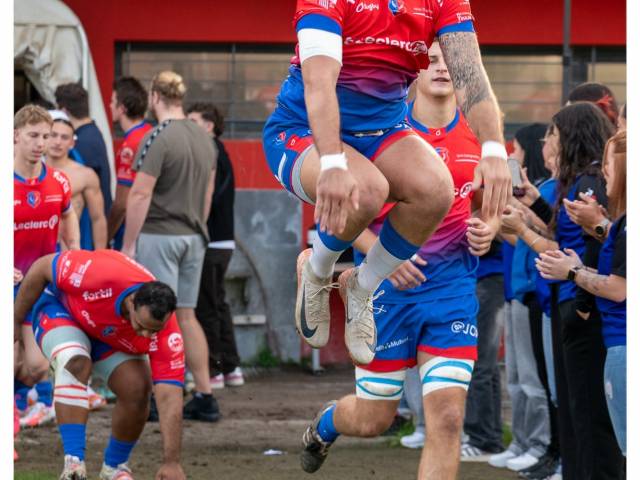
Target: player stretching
41	206
103	312
428	313
85	184
341	109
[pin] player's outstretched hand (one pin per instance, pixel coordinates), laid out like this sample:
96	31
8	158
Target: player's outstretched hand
407	275
336	197
170	471
479	236
493	173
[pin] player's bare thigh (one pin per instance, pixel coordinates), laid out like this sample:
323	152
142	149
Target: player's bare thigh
412	167
370	180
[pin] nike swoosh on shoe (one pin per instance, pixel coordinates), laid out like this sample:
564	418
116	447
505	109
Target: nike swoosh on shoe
306	331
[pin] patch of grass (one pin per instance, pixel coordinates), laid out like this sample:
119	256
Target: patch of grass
407	429
266	359
506	435
33	476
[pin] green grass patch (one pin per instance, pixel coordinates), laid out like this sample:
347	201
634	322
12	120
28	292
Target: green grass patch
506	435
406	429
33	476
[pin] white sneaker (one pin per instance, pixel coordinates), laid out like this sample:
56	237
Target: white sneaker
313	315
555	476
38	414
471	453
217	381
74	469
521	462
360	333
121	472
499	460
415	440
234	378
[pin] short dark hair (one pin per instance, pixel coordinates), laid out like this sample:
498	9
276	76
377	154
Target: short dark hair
158	297
73	98
132	95
210	113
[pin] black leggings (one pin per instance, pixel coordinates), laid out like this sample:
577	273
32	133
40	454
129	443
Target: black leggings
587	443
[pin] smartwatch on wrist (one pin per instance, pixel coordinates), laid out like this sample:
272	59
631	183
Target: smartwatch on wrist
571	275
601	228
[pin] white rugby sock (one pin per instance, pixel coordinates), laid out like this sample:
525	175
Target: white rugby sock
377	265
323	259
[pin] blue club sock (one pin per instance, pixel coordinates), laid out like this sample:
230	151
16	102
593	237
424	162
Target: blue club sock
45	392
73	439
117	452
326	428
21	392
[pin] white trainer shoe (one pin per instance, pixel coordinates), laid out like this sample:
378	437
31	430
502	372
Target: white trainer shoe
38	414
74	469
471	453
415	440
217	381
313	315
360	334
234	378
521	462
499	460
121	472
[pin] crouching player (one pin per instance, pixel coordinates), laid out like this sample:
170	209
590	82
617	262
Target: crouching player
427	314
102	311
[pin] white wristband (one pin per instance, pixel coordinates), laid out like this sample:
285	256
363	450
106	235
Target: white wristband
494	149
336	160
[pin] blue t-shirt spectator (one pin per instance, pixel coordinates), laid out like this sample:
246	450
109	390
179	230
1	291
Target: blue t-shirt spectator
613	261
91	147
491	262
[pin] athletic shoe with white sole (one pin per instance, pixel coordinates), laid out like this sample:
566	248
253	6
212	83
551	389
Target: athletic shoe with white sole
217	381
313	316
499	460
521	462
74	469
38	414
121	472
360	334
415	440
234	378
471	453
315	448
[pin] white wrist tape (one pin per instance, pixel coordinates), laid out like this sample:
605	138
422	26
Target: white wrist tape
337	160
494	149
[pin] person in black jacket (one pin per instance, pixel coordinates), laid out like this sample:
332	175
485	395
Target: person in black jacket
213	311
587	442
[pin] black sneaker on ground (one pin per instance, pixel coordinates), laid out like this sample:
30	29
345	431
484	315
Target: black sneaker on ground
315	449
201	407
153	411
398	423
545	467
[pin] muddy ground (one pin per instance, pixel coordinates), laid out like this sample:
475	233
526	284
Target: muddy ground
270	412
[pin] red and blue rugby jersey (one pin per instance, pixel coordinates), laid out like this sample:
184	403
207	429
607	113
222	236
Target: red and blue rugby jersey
93	285
127	153
38	205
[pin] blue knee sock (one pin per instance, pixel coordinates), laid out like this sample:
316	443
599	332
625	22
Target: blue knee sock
73	438
326	428
117	452
21	392
395	243
45	392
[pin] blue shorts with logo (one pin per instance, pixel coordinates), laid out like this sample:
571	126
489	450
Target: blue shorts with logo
286	141
444	327
49	313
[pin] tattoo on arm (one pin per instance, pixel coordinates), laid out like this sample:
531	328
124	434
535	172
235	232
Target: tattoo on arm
462	56
593	282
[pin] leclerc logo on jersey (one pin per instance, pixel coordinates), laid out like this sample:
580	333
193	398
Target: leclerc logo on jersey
417	47
37	225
